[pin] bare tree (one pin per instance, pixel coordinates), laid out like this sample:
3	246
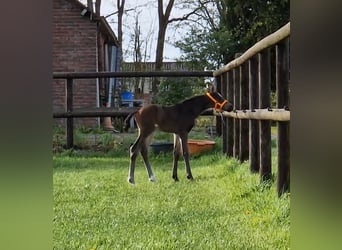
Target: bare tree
140	52
98	7
90	5
137	57
120	5
121	8
164	19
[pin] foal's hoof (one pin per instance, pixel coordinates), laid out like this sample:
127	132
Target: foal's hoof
130	181
190	178
175	178
152	179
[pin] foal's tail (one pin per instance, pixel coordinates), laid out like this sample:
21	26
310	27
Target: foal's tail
127	119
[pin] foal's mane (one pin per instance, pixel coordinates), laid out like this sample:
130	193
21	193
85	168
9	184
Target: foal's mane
192	106
191	100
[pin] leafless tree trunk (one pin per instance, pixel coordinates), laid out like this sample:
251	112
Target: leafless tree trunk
90	6
137	54
140	48
137	41
98	7
121	8
163	22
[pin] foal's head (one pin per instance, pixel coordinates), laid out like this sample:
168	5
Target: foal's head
219	103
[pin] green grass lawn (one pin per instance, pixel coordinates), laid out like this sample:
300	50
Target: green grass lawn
225	207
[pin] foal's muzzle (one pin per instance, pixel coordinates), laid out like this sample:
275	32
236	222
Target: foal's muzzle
227	107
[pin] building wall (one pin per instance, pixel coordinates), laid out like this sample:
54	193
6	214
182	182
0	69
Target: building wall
74	50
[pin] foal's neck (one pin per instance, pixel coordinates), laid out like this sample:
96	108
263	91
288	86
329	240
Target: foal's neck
196	105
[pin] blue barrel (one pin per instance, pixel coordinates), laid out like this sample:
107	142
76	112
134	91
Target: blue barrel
127	96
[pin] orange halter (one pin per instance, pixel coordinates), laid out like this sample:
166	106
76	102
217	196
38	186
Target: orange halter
218	106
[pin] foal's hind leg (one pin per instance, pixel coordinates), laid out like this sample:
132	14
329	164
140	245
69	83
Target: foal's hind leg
184	138
144	154
177	148
134	150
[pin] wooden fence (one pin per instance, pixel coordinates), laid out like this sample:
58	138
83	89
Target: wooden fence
246	82
70	113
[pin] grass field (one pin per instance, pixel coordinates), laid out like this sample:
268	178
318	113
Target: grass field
225	207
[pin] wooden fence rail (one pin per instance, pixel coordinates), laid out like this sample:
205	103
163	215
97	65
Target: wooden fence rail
258	114
93	75
97	112
246	81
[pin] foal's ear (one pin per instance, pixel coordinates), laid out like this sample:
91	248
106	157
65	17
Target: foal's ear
211	88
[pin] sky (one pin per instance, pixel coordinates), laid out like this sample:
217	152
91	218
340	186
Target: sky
148	19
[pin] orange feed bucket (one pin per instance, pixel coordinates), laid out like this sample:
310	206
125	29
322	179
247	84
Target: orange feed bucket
199	146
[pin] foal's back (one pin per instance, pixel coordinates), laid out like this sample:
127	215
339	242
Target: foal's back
167	118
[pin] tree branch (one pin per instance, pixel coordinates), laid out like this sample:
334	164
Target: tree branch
207	14
201	8
168	9
116	12
185	17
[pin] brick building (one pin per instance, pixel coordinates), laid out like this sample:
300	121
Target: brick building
82	42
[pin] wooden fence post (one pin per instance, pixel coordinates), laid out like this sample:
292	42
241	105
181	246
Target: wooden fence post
230	123
236	107
282	81
244	124
254	155
224	79
69	108
265	125
218	121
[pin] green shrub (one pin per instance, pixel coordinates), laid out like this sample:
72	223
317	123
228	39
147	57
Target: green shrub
174	90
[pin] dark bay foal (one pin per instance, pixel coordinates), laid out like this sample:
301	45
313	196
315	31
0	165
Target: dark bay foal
177	119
